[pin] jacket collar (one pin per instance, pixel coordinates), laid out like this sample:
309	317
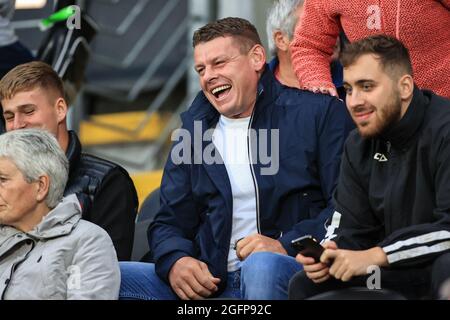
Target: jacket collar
73	152
273	64
268	90
58	222
401	133
202	110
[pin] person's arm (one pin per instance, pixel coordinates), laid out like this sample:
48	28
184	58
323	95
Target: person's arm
313	45
353	224
114	209
333	126
346	264
421	243
94	273
171	236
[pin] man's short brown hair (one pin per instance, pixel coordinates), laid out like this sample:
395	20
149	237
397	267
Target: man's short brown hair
239	29
29	76
392	54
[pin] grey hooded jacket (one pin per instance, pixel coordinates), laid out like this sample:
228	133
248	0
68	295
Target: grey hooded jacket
63	257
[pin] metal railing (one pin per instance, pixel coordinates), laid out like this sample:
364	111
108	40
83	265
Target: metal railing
139	83
176	75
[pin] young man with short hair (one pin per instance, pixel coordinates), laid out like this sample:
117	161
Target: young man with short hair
32	96
392	200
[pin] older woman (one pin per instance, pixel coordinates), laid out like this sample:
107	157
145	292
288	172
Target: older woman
46	251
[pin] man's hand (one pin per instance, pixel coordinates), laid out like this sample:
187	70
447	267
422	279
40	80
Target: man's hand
330	91
348	264
258	243
317	272
191	279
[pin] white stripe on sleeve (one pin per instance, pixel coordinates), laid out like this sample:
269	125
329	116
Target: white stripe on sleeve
335	222
417	252
422	239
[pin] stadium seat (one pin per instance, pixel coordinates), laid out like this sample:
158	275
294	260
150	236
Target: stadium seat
149	209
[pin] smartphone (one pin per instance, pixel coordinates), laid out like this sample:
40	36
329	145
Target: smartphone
308	246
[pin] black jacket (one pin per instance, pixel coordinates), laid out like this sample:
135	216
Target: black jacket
394	191
106	193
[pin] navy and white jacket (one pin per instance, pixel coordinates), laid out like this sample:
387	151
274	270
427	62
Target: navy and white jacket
195	218
394	191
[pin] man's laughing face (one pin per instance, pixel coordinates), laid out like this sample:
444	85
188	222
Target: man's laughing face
228	76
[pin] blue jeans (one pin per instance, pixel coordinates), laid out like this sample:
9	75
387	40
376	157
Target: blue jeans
263	276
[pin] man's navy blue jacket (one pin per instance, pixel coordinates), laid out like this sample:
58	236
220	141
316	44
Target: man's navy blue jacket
195	218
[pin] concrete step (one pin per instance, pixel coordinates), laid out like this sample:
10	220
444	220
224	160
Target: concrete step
117	128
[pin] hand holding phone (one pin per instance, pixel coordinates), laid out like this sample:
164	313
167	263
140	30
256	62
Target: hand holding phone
308	247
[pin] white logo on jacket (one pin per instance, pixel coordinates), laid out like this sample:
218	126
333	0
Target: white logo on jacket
380	157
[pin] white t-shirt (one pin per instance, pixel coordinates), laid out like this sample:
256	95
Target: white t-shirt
230	139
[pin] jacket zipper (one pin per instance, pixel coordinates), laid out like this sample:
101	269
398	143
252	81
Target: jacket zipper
13	268
255	182
9	279
389	204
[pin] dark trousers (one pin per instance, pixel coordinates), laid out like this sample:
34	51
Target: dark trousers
417	283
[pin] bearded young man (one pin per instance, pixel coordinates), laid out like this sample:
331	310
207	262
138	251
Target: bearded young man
393	196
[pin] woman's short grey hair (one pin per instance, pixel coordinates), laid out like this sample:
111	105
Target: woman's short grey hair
35	153
281	16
